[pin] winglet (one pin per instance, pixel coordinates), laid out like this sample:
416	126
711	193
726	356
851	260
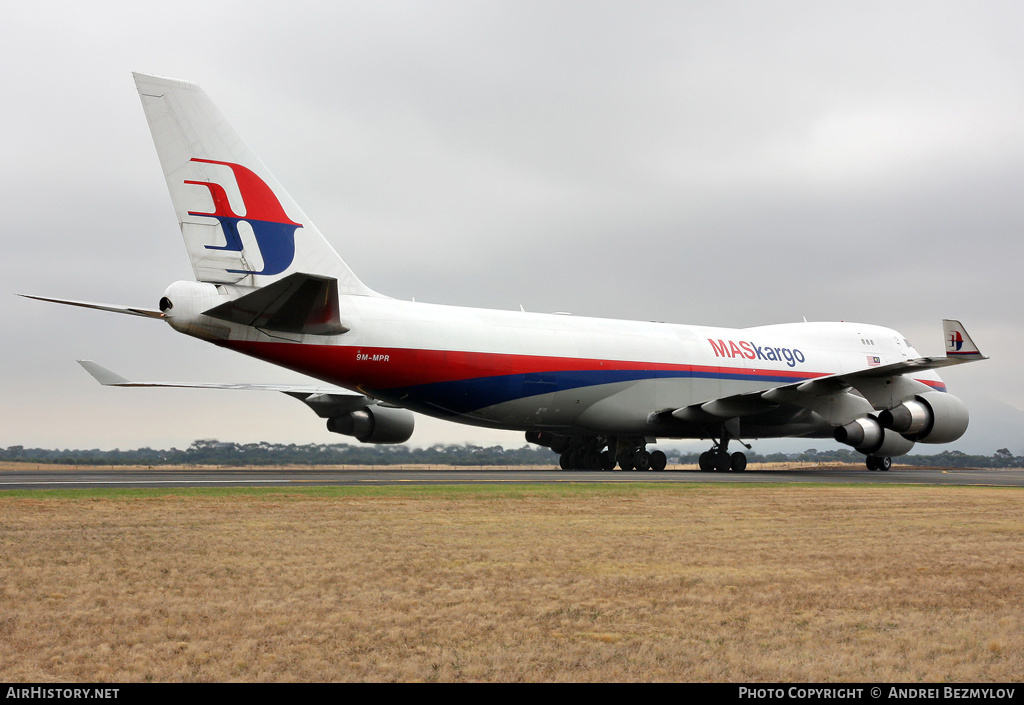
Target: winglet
959	345
103	375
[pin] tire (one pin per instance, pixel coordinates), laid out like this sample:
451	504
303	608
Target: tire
658	461
642	460
575	459
722	462
738	462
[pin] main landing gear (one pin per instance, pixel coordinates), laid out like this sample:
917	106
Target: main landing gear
600	453
718	458
641	459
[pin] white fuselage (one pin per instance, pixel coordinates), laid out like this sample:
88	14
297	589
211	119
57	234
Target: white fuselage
529	371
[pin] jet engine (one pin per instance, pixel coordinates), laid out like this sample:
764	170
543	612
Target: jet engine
867	436
932	417
379	424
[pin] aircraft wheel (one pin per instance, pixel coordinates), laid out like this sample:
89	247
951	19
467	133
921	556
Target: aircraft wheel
704	462
578	460
722	461
563	461
658	461
872	463
642	460
738	462
591	460
607	461
884	464
626	464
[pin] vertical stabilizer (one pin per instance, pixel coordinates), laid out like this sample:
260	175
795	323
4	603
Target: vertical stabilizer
240	226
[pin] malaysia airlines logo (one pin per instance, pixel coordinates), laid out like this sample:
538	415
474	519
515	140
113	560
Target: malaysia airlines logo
956	341
273	229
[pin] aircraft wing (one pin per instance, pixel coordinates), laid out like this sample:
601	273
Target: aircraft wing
325	401
833	395
960	349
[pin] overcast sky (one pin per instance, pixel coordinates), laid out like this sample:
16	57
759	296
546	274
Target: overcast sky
726	163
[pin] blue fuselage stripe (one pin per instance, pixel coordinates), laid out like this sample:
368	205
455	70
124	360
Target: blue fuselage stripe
467	395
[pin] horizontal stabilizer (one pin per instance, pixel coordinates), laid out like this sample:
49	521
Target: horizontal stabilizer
299	303
130	310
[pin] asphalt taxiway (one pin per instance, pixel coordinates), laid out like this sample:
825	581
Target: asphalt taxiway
312	477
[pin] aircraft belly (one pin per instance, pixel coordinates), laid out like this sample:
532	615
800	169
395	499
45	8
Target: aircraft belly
616	407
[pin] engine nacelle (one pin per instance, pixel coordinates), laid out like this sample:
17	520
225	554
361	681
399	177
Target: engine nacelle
932	417
867	436
379	424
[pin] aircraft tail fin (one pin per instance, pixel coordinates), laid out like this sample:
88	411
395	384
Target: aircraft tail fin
240	226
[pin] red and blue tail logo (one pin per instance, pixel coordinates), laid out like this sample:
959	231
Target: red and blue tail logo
956	341
274	231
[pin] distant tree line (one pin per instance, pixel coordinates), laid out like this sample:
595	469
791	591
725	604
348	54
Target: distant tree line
213	452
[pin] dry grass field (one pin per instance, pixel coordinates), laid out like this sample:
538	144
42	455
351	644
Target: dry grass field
563	583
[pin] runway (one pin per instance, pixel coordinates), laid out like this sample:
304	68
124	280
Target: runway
314	477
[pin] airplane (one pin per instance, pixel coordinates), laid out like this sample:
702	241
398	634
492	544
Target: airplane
595	391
